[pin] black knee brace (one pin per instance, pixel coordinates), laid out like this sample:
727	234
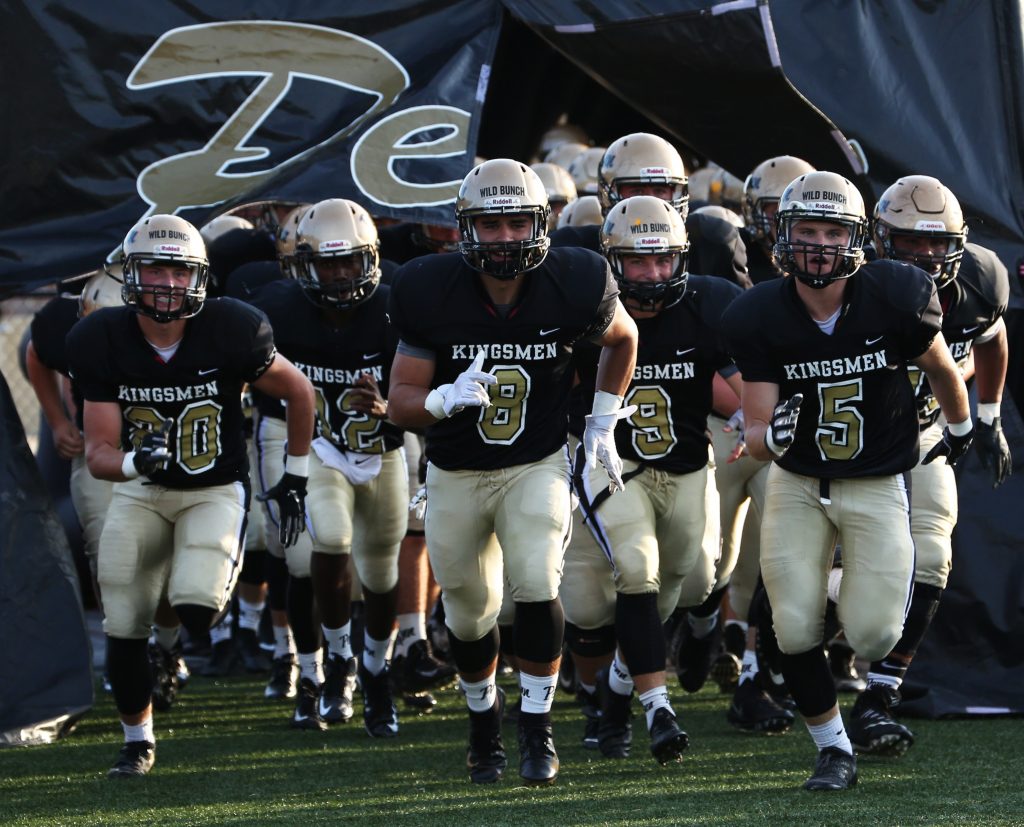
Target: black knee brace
923	605
809	681
254	567
277	583
474	655
769	656
640	633
300	615
711	603
129	673
539	629
197	620
590	643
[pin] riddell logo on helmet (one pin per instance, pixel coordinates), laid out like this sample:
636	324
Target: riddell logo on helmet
659	172
172	249
930	226
337	244
492	203
651	242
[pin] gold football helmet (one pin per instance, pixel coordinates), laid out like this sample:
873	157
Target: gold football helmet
638	159
165	239
764	187
332	234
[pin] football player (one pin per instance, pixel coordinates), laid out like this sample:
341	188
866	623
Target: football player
331	323
650	539
560	188
162	379
483	364
918	220
826	397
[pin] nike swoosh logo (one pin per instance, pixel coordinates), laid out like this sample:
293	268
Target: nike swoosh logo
371	355
323	710
361	461
971	329
873	341
683	352
300	717
208	371
549	332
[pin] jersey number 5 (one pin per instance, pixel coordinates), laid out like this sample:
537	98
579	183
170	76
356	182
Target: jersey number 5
840	425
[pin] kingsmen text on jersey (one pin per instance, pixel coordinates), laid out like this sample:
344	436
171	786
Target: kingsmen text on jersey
438	304
333	359
679	352
858	417
198	391
974	301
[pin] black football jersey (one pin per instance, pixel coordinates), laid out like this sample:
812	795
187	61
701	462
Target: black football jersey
198	390
245	281
679	352
974	301
333	359
438	304
759	263
858	416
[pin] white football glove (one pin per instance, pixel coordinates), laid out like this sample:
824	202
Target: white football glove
418	503
599	436
779	435
468	390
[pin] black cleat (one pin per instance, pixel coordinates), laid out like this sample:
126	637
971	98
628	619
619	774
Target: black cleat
835	770
668	741
283	681
165	678
754	710
872	729
335	705
842	660
178	664
567	672
614	729
422	703
306	714
695	656
419	670
591	709
485	755
379	713
538	761
223	660
254	659
134	760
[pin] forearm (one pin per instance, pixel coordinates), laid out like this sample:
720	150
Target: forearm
406	406
46	384
990	360
300	414
106	462
615	367
754	436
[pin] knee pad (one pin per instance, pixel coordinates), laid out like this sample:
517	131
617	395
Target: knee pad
129	673
590	643
640	633
254	567
197	620
539	629
474	655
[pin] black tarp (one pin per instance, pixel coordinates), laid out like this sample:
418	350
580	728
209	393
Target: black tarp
46	681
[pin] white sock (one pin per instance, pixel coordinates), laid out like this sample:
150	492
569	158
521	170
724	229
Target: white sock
339	641
222	631
412	626
653	700
480	695
139	732
831	734
749	670
538	692
887	680
249	614
702	626
166	636
619	679
375	652
312	666
284	643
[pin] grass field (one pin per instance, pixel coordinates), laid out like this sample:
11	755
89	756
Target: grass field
226	757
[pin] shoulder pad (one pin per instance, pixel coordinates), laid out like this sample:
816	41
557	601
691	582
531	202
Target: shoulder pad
904	287
983	273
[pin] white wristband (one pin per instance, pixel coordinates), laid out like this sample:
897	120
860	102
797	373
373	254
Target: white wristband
299	466
434	402
988	411
128	469
961	428
605	403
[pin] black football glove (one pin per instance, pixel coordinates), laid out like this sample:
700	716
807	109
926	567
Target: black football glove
951	447
290	496
991	448
780	432
152	454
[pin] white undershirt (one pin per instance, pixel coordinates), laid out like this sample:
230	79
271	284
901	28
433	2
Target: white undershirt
165	353
829	325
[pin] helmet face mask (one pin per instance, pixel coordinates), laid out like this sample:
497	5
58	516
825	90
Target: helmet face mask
642	160
646	226
814	199
919	221
164	241
337	254
496	188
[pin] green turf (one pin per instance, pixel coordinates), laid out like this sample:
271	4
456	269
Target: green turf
226	757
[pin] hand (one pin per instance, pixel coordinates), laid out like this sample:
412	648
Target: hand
290	496
783	425
991	448
67	439
599	444
418	503
951	447
736	424
468	390
365	397
152	454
